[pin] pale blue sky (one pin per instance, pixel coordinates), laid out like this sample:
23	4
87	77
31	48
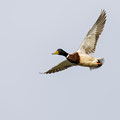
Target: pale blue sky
30	30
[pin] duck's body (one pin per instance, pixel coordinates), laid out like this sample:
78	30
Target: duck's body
87	60
82	59
82	56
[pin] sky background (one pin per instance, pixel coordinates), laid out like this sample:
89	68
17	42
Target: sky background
30	30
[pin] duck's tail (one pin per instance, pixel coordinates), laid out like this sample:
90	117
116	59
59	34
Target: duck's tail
100	63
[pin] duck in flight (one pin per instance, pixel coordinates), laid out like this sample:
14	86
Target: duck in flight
82	56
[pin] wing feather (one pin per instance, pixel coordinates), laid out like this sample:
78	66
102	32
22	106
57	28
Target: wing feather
89	43
61	66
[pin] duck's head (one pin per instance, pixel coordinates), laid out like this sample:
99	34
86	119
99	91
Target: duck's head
60	52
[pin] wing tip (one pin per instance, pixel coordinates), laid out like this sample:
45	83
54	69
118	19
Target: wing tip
45	73
103	13
48	72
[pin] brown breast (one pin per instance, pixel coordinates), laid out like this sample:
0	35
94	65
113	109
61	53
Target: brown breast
74	58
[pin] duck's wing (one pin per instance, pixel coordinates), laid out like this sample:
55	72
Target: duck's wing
61	66
89	43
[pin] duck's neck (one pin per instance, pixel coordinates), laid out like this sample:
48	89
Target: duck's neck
64	54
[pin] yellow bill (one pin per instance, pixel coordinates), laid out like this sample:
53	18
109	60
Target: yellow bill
56	53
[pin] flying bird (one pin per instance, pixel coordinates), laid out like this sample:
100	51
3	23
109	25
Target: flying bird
82	56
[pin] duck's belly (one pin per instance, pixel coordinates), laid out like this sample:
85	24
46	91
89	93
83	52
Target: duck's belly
87	60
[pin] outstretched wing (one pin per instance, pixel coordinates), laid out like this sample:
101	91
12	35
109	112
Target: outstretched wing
89	43
61	66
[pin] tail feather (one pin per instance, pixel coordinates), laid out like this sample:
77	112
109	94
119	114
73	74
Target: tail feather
101	61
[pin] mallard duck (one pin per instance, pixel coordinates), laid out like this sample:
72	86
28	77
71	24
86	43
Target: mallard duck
82	56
